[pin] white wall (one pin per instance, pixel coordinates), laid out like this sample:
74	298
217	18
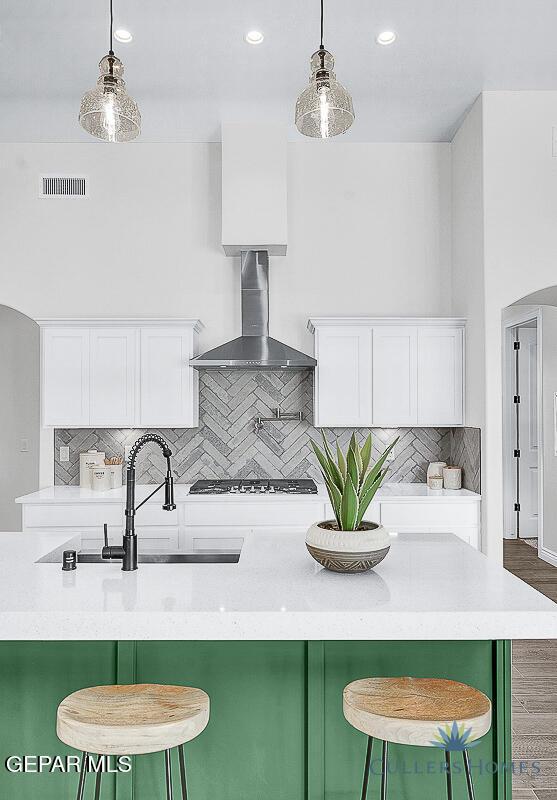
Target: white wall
369	233
19	413
519	248
549	387
468	295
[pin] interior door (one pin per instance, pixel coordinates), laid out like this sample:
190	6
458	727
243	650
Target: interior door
528	433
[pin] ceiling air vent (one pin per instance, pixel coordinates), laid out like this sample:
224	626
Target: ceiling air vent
64	186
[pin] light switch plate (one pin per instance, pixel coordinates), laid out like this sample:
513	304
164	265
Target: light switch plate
24	448
64	454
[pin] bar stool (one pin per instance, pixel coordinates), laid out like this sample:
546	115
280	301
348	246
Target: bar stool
412	711
132	720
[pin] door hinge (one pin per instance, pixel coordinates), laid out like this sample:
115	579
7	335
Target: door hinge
517	506
516	398
516	345
516	453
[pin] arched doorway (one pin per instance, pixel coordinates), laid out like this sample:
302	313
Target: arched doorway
530	421
19	412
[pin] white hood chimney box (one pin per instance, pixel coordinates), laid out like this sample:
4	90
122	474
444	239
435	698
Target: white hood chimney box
254	188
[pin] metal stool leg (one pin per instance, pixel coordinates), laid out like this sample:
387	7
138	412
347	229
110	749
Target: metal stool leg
384	754
182	762
82	774
469	783
449	776
98	785
168	773
366	768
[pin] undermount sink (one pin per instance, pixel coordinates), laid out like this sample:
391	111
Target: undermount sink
89	557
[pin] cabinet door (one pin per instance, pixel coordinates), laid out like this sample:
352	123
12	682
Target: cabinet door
343	377
168	396
440	376
65	377
113	375
394	376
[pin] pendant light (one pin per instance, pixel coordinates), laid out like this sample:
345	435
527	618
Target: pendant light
107	111
325	108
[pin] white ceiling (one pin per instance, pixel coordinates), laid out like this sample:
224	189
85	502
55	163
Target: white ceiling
189	67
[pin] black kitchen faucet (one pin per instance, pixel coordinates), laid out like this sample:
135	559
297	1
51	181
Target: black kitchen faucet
128	552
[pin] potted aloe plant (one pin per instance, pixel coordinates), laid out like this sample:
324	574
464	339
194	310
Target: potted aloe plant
349	543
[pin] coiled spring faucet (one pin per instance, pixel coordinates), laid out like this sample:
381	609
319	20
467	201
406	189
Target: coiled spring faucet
128	552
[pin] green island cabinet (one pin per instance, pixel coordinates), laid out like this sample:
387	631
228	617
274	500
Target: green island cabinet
276	730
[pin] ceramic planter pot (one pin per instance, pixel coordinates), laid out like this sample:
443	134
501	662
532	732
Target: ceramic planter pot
347	551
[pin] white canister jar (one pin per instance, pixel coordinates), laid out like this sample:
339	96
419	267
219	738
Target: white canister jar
435	482
115	476
452	477
91	458
435	469
101	478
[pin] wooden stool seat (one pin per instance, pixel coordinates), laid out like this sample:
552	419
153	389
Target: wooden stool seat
131	720
412	710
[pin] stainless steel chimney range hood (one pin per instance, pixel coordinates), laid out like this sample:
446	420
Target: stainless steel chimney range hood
254	349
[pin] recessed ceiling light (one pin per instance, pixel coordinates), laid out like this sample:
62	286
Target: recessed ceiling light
386	37
254	37
123	36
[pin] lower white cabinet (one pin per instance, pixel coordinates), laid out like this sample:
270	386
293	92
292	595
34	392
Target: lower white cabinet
462	519
205	525
119	373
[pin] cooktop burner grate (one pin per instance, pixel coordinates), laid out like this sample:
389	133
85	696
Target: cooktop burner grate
255	486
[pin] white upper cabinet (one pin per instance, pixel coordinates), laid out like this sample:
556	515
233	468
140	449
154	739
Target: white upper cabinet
343	376
440	376
113	354
65	384
395	400
169	386
119	373
382	372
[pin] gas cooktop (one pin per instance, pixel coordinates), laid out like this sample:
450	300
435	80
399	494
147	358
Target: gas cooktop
259	486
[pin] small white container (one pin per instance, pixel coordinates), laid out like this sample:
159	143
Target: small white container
115	476
435	482
91	458
452	477
435	469
101	478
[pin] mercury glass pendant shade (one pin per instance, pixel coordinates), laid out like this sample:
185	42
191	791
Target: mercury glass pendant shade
107	111
325	108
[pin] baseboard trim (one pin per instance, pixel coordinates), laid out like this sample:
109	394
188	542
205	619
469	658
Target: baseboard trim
545	555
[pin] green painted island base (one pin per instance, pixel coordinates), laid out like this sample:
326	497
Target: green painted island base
276	730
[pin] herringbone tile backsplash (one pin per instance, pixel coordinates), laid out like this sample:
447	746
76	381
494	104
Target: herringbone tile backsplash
226	444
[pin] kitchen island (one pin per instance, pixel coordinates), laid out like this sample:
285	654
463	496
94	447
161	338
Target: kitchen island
273	639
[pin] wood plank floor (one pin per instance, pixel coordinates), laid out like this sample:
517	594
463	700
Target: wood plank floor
534	688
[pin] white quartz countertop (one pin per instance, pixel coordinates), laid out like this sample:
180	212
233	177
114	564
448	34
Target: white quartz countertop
388	492
430	586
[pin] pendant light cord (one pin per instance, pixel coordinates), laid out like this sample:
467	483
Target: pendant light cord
111	51
322	48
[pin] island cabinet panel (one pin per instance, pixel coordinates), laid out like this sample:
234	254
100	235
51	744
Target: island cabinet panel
34	678
112	375
276	728
388	372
